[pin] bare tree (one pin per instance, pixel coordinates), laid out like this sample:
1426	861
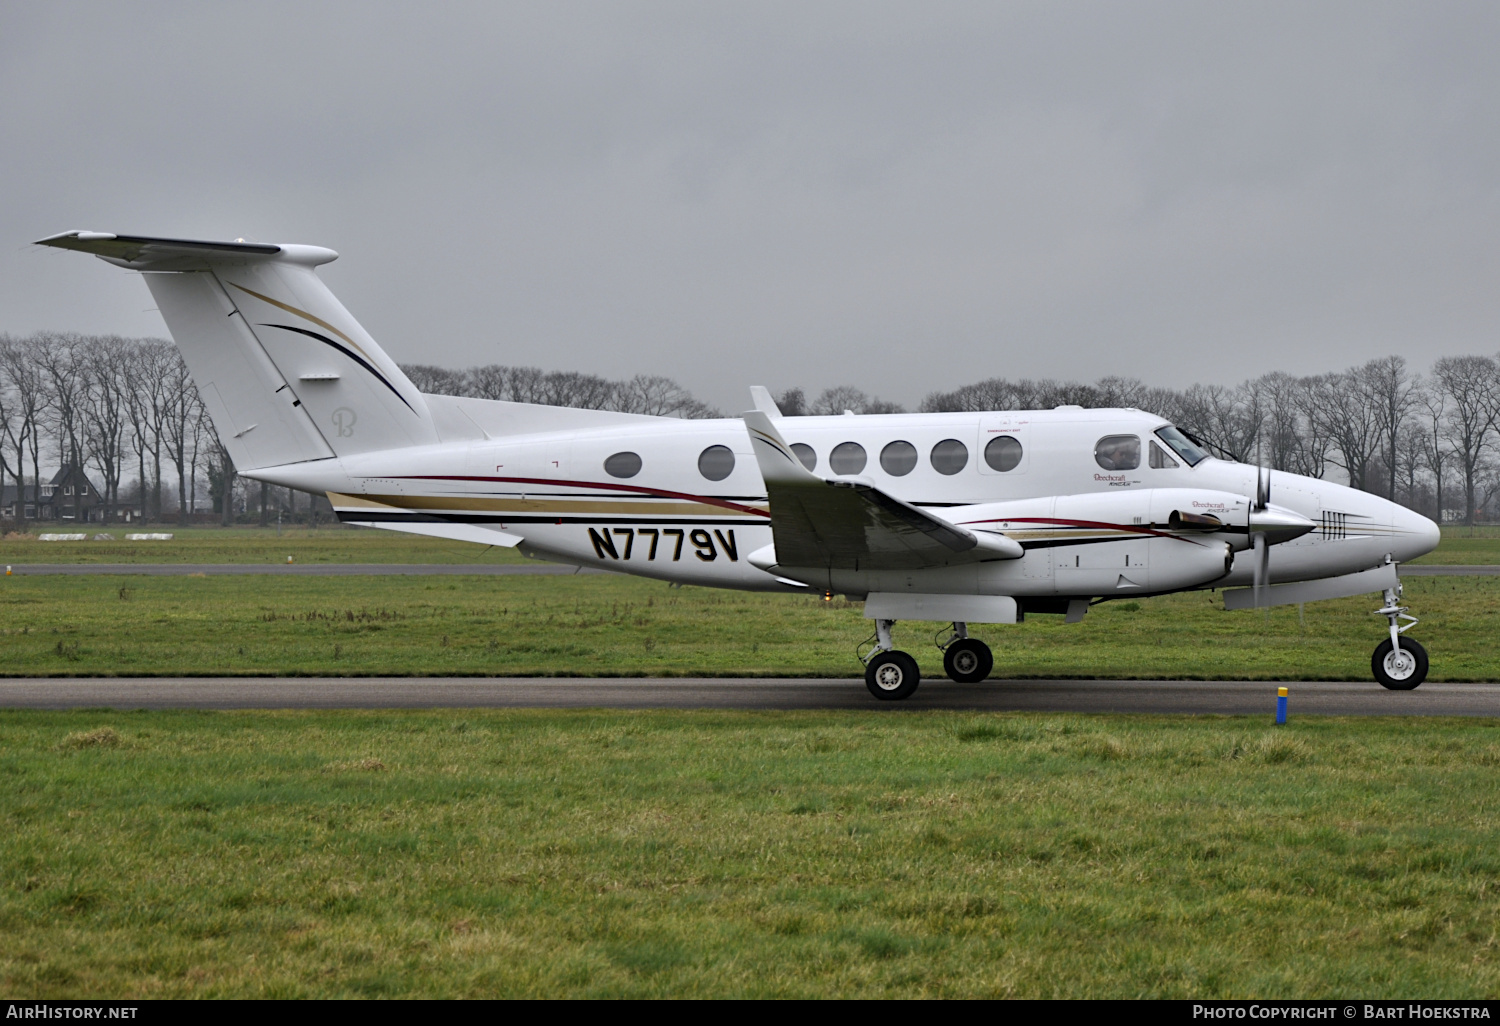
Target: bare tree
1340	404
1391	392
1121	393
834	401
1433	408
1411	456
433	380
29	400
653	395
1228	419
1281	426
990	394
104	363
1472	391
580	391
487	382
792	403
179	414
63	380
147	375
9	423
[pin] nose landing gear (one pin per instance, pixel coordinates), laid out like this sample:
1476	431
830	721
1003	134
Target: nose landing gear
1398	664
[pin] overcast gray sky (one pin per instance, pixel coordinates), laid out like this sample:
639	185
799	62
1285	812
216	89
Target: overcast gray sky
903	197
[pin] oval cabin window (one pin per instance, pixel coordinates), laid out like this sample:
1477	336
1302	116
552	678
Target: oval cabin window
1003	453
898	459
1118	452
804	452
847	458
716	462
623	464
949	456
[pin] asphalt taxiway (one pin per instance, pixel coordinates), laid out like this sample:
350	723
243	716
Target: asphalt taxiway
1090	696
443	569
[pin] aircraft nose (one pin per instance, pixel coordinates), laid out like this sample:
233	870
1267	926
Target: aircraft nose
1413	534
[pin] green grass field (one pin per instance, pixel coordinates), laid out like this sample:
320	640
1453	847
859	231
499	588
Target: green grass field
330	544
130	625
481	853
1467	545
615	625
539	853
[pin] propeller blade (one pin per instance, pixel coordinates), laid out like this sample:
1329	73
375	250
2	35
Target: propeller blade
1262	488
1262	564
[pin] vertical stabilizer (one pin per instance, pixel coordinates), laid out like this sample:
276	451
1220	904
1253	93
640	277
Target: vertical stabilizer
287	374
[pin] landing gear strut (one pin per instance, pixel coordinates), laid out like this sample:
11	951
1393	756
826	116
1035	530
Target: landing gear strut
890	675
1399	664
966	660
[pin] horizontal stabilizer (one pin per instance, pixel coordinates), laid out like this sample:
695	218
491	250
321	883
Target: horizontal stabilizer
148	253
453	532
365	512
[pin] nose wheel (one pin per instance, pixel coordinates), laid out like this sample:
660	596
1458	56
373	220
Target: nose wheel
1399	669
1399	663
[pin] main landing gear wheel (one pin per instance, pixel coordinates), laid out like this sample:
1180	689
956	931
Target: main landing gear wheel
1399	670
968	661
892	675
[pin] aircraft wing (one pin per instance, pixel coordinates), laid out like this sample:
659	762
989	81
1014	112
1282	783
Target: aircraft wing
849	524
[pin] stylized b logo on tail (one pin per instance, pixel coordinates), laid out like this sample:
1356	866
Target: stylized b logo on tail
343	421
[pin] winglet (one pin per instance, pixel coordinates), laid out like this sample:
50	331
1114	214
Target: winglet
777	461
760	395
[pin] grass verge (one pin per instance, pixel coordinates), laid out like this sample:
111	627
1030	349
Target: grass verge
334	543
621	626
531	853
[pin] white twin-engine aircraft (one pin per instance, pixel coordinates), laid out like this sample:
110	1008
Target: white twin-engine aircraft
952	517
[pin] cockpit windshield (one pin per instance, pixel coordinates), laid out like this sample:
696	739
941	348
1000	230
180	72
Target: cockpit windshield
1179	443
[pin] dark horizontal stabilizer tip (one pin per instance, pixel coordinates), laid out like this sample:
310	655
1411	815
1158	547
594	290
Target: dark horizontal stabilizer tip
149	253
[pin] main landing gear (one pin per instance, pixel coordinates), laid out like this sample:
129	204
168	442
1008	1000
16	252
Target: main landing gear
966	660
891	675
1398	663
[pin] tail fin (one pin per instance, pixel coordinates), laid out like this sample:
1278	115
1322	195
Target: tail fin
286	373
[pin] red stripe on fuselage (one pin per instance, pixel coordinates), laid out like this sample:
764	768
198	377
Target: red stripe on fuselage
1097	525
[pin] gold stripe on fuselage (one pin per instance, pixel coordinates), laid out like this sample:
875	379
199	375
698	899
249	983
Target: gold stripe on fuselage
548	506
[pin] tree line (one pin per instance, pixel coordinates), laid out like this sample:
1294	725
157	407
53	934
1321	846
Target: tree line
126	412
1423	441
109	405
123	408
645	393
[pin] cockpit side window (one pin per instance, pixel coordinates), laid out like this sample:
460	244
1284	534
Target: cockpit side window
1159	458
1118	452
1179	443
